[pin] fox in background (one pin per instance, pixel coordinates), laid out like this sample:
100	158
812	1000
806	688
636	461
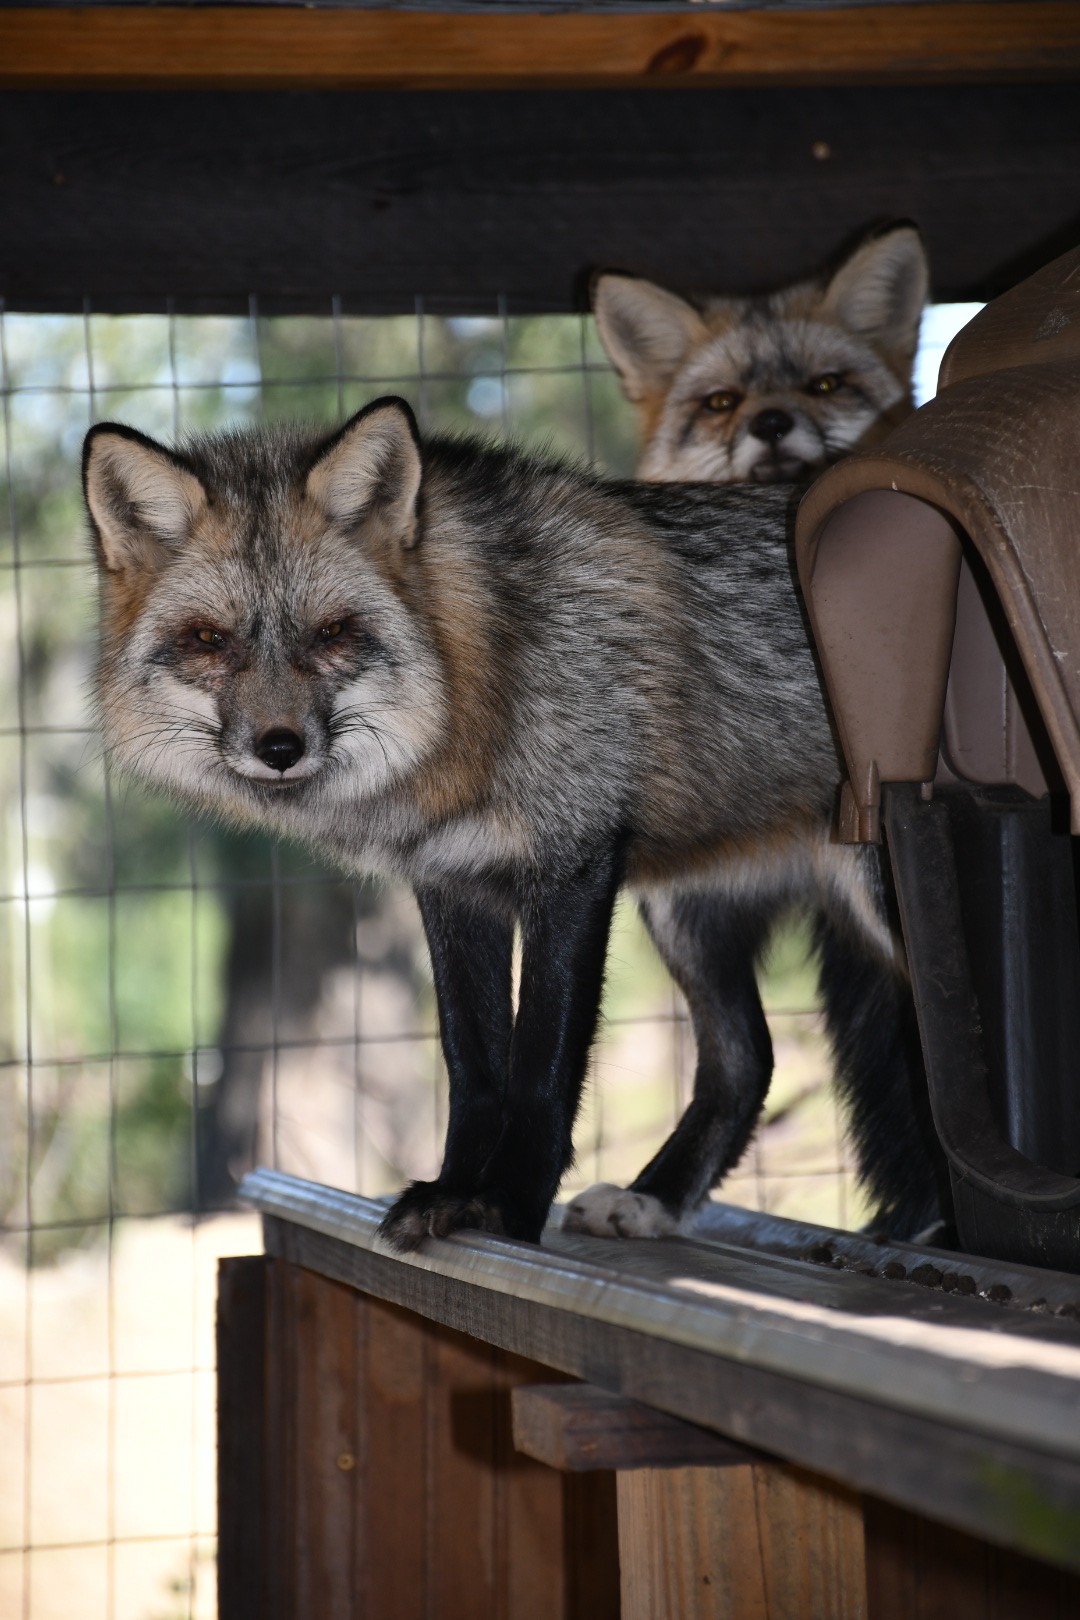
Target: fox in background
519	688
767	390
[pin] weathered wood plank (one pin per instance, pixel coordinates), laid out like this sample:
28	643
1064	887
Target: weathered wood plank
465	198
578	1427
398	1492
1011	1491
393	1459
272	47
757	1542
917	1570
465	1569
241	1449
1003	1374
1012	1286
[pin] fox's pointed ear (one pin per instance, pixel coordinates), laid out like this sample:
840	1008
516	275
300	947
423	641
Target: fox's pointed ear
370	472
142	500
646	331
881	288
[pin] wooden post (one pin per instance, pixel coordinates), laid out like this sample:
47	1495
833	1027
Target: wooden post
708	1529
757	1541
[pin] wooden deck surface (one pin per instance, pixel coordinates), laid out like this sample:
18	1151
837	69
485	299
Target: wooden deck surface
949	1404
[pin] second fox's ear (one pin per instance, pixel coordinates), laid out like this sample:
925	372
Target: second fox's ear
370	472
881	288
646	331
142	500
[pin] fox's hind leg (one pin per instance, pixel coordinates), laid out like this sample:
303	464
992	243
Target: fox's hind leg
871	1023
710	944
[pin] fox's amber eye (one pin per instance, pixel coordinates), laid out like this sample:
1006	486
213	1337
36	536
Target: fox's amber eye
724	399
207	636
330	632
827	383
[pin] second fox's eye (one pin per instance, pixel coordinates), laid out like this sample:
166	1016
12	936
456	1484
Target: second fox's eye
827	383
724	399
330	632
207	636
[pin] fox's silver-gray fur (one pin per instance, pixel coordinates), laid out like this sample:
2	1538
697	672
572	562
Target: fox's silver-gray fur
510	683
766	389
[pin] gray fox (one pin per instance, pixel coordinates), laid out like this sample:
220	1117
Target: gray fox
766	390
518	688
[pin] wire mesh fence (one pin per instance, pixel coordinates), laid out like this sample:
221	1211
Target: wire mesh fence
181	1002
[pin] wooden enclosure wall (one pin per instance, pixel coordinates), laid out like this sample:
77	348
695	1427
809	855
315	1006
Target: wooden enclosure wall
366	1469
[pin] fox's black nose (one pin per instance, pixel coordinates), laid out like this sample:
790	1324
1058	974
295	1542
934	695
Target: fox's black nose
771	426
280	748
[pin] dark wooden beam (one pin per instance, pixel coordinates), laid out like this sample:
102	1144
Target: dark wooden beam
578	1428
245	1555
262	47
132	198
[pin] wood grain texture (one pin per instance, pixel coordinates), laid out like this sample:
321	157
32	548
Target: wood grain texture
241	1325
917	1570
758	1542
269	47
135	199
954	1358
578	1427
397	1489
1009	1492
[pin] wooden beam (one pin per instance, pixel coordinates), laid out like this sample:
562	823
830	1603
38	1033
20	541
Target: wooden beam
269	47
579	1428
134	198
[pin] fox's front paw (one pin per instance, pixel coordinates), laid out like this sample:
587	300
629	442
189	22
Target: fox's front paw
607	1211
428	1209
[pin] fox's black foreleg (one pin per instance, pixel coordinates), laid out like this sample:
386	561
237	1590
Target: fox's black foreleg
565	927
471	948
507	1184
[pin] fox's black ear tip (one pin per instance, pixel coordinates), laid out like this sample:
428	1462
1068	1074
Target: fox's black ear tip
386	402
116	430
96	431
601	281
888	227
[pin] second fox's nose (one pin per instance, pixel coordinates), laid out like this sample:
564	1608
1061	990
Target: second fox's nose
771	426
280	748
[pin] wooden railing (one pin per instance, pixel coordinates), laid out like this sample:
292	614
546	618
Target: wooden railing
754	1375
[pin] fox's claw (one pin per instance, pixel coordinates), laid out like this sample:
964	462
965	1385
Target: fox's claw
427	1209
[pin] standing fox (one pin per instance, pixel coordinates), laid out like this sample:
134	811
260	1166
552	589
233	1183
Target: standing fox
519	688
766	390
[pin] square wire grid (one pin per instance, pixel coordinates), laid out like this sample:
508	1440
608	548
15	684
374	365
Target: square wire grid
180	1002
